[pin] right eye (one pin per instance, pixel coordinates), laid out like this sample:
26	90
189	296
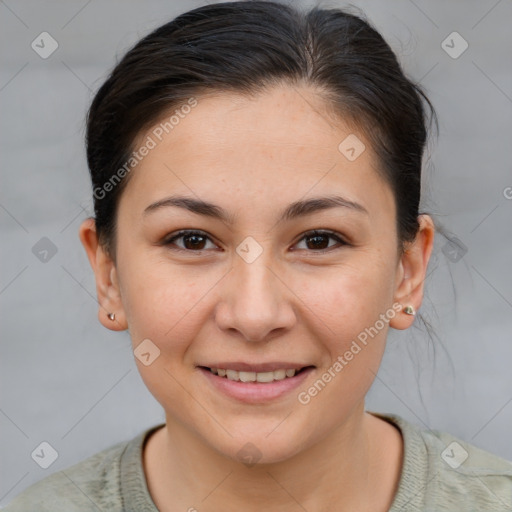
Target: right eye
193	241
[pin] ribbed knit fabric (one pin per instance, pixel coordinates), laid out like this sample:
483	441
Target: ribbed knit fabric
440	473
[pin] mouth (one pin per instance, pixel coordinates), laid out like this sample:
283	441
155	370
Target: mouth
255	386
256	376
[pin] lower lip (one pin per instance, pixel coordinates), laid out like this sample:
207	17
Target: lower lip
256	392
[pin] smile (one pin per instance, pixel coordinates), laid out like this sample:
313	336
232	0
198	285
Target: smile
255	376
255	387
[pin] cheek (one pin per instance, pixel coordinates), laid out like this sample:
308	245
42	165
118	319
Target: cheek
164	305
350	296
352	306
162	301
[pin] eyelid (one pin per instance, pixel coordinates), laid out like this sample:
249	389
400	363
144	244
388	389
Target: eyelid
326	232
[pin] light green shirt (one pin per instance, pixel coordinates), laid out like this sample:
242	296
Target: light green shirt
440	473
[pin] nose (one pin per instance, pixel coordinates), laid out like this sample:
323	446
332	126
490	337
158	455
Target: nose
255	301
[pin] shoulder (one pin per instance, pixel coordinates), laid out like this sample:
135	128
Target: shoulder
92	484
443	473
468	475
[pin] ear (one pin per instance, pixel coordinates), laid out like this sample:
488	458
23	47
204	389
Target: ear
107	284
411	272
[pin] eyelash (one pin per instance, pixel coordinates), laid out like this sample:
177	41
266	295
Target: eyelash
315	232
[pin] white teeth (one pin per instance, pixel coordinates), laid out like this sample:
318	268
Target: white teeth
278	375
246	376
254	376
232	375
266	377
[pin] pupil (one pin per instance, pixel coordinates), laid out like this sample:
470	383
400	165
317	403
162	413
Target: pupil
194	244
316	237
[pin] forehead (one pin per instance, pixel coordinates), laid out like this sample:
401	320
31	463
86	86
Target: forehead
280	142
280	117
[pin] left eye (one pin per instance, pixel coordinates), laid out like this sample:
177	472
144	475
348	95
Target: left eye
194	241
318	239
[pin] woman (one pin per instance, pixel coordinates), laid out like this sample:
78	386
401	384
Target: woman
256	174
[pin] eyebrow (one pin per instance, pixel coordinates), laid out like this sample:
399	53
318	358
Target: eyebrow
294	210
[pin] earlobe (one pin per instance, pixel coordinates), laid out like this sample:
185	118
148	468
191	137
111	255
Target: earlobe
110	311
411	274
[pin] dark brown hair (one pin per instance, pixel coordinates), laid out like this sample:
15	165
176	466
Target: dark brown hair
244	47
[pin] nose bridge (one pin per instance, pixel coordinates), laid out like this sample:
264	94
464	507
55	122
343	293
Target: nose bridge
256	281
255	301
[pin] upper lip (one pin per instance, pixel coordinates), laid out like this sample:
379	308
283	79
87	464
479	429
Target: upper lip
256	367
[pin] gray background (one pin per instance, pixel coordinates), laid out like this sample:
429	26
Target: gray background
68	381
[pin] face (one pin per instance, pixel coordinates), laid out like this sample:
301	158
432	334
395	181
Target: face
268	272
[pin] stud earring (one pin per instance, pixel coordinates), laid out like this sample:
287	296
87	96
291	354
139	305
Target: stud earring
112	316
409	310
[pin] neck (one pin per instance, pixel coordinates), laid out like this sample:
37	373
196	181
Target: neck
342	471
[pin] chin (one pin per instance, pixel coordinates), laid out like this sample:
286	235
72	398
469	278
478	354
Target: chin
255	447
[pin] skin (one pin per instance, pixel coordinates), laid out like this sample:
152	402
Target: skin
253	157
